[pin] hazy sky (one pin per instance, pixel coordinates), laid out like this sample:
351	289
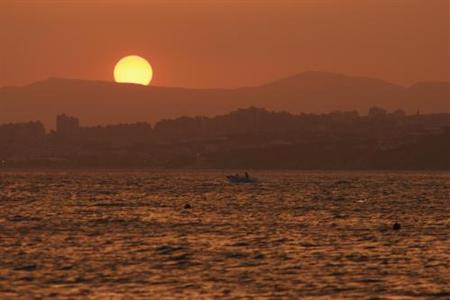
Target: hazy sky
218	43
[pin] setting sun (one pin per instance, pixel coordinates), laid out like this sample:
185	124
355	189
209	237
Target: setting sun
133	69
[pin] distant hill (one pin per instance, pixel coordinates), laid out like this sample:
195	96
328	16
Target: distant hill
96	102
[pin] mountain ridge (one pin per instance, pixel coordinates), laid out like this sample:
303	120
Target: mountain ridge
285	78
103	102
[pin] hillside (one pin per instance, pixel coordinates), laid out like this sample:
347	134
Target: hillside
96	102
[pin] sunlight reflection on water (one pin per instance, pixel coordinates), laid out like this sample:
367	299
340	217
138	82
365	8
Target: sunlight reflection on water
294	234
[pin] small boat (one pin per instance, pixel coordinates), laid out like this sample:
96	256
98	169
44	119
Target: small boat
241	179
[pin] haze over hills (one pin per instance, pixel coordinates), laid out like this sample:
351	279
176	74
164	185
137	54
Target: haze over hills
96	102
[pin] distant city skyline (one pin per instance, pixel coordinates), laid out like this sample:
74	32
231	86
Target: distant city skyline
251	138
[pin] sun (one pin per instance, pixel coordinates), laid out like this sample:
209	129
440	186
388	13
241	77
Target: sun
133	69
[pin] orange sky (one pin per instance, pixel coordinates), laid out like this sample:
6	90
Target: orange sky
218	43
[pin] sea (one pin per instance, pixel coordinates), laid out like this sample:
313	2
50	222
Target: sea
192	235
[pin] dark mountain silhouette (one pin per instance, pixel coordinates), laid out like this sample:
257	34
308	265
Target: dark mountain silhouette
97	102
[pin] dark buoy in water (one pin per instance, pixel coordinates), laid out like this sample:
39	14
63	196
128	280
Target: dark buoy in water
187	206
396	226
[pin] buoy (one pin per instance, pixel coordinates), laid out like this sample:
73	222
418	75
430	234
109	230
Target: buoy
396	226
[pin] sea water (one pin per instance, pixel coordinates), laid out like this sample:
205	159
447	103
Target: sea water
122	235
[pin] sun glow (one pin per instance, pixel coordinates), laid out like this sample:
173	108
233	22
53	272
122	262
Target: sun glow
133	69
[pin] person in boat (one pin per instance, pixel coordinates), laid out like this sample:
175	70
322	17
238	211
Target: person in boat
239	178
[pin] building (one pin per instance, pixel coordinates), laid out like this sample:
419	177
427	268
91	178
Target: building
67	125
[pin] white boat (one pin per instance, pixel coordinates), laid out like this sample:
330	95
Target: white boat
241	179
